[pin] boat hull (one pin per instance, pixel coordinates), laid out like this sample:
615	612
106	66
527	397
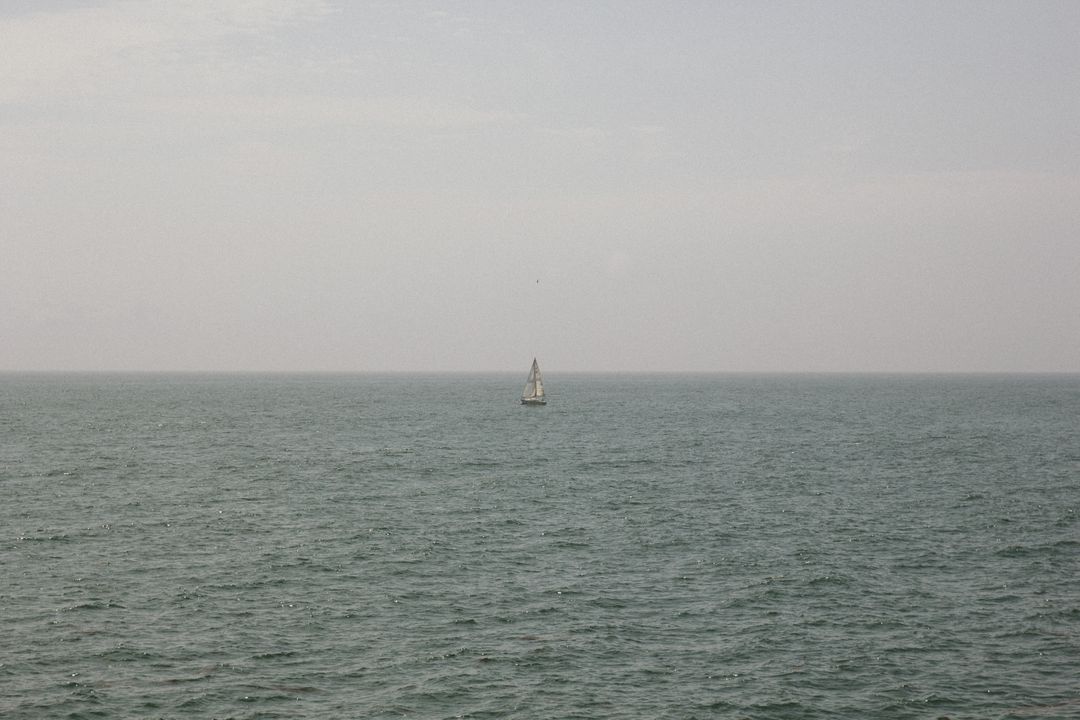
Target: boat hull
533	401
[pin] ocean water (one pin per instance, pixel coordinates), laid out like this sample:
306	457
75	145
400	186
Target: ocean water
362	546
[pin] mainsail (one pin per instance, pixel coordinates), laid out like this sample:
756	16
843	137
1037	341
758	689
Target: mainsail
534	387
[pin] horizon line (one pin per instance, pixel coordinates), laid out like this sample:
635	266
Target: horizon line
145	371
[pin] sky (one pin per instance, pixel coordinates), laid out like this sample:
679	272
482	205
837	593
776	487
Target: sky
325	185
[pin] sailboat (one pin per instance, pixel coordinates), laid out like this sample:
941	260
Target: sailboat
534	387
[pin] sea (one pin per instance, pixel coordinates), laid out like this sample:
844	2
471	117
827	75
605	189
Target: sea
645	546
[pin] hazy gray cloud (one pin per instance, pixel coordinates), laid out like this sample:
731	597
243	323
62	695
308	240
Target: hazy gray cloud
276	184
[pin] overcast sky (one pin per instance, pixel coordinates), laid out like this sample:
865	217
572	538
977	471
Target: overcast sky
678	186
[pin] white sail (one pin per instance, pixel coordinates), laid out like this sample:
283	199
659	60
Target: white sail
534	387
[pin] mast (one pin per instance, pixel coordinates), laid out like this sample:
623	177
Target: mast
538	380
